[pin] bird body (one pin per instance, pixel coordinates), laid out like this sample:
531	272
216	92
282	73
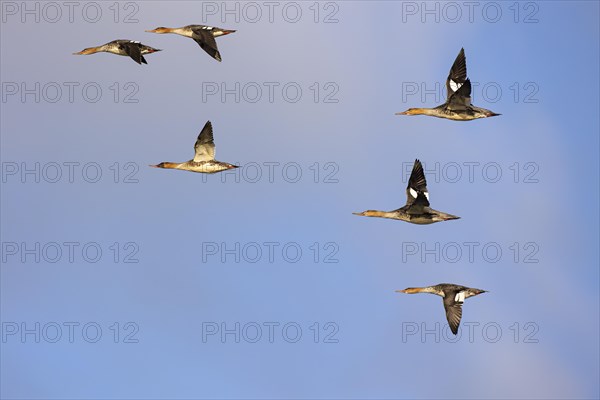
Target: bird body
458	105
416	210
453	298
205	167
203	35
122	47
204	158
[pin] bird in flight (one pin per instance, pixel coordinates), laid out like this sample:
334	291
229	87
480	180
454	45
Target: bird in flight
204	158
416	210
128	48
202	34
458	105
453	297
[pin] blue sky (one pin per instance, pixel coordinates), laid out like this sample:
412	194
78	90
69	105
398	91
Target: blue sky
170	221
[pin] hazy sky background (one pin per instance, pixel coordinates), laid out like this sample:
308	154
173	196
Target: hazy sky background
547	71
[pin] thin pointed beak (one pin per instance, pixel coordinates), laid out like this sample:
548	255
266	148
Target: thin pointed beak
362	214
227	31
160	30
402	113
154	166
401	291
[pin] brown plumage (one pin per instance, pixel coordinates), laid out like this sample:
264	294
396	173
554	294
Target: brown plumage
120	47
453	297
458	105
416	210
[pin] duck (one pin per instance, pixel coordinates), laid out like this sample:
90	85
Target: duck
458	106
454	296
121	47
416	210
203	35
204	158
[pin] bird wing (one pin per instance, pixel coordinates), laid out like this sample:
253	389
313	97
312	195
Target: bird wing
461	99
207	41
458	74
416	191
133	50
205	145
453	309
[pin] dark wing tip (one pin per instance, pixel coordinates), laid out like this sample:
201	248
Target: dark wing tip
417	179
206	134
453	316
458	71
454	328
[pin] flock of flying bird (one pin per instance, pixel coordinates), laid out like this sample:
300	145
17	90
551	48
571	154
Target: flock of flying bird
417	210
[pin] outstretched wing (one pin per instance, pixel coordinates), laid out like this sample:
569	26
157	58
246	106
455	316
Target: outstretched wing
207	41
461	99
205	145
457	75
416	191
133	50
453	311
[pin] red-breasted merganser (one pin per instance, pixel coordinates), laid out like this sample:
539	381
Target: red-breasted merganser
204	159
458	105
130	48
454	297
202	34
416	210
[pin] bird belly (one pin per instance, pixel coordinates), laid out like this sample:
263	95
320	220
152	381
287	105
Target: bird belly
420	219
207	167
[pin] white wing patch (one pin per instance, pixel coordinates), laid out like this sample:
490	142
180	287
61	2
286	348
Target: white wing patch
455	86
426	195
413	192
134	41
460	297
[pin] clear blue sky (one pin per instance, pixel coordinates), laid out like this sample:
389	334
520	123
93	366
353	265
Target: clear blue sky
543	57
